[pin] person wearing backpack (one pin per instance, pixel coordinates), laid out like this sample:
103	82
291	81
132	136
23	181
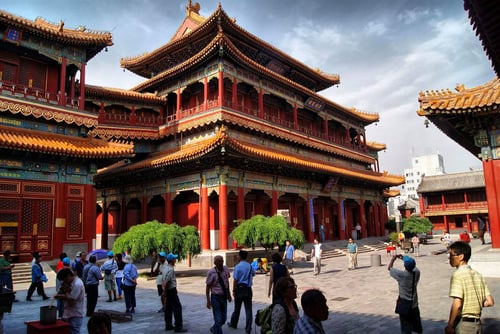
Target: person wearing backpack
285	312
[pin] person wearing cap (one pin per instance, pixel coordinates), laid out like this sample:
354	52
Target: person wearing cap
407	281
242	290
91	277
129	285
65	262
468	290
109	268
172	303
160	267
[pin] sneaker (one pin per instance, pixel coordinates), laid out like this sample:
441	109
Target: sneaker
180	330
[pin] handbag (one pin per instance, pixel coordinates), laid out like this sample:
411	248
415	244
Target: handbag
44	278
404	306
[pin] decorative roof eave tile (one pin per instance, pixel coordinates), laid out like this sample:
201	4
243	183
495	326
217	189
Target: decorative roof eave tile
80	36
108	132
54	144
48	113
116	93
391	193
464	100
220	16
196	150
376	146
368	118
241	120
204	54
485	17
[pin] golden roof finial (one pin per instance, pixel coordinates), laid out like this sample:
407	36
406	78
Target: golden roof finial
193	8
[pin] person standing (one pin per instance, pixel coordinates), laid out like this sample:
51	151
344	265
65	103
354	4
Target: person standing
79	265
322	232
288	256
91	277
407	281
468	290
217	293
158	269
415	241
37	278
277	271
119	274
315	309
285	312
109	268
481	228
60	301
129	284
358	231
242	290
172	303
72	292
6	271
352	250
316	252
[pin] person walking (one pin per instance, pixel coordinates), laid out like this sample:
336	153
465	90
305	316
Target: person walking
242	290
468	290
313	303
109	269
119	275
72	292
415	241
481	228
285	312
172	303
129	284
277	271
407	279
352	253
316	252
91	277
37	278
217	293
288	256
358	231
6	267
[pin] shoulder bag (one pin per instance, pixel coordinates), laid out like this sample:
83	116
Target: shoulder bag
403	306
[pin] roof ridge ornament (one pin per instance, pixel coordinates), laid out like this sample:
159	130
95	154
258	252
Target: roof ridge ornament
193	8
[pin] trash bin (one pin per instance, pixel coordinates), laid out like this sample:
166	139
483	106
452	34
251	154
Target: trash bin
375	260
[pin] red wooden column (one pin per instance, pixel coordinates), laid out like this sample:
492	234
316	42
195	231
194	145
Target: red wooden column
341	219
223	223
205	93
205	227
378	220
169	217
295	118
261	103
102	115
62	83
81	102
133	118
274	202
160	117
221	88
309	218
178	106
491	170
235	94
362	213
423	209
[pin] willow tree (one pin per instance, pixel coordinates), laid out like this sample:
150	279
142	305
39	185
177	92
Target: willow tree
141	239
268	231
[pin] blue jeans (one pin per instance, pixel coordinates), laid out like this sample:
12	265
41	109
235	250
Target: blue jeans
219	309
119	285
248	312
75	324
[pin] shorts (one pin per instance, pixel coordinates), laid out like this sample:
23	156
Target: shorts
109	282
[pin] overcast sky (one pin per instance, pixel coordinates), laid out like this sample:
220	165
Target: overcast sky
384	51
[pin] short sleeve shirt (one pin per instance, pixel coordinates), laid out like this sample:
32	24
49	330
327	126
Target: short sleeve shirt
75	300
405	281
289	252
243	273
4	263
168	277
468	285
212	280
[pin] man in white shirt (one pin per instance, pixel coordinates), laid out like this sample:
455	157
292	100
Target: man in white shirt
316	253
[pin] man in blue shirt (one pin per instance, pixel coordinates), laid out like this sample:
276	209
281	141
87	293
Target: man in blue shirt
242	290
288	256
352	249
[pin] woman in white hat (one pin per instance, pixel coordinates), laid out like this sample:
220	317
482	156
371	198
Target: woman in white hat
130	276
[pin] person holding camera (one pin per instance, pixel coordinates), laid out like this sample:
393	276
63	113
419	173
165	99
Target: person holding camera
407	302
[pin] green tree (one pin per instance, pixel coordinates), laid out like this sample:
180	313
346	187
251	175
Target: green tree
139	240
414	225
268	231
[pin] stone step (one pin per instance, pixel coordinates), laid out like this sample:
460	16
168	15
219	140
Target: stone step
21	273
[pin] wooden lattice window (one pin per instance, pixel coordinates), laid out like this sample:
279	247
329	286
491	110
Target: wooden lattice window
8	72
27	220
9	204
39	212
44	216
74	226
9	187
38	188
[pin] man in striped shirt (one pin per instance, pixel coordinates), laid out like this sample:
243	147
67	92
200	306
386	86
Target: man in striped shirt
468	290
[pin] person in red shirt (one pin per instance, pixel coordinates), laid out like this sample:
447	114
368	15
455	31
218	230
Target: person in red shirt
464	237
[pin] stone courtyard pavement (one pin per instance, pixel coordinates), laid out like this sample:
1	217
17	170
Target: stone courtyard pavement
360	301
